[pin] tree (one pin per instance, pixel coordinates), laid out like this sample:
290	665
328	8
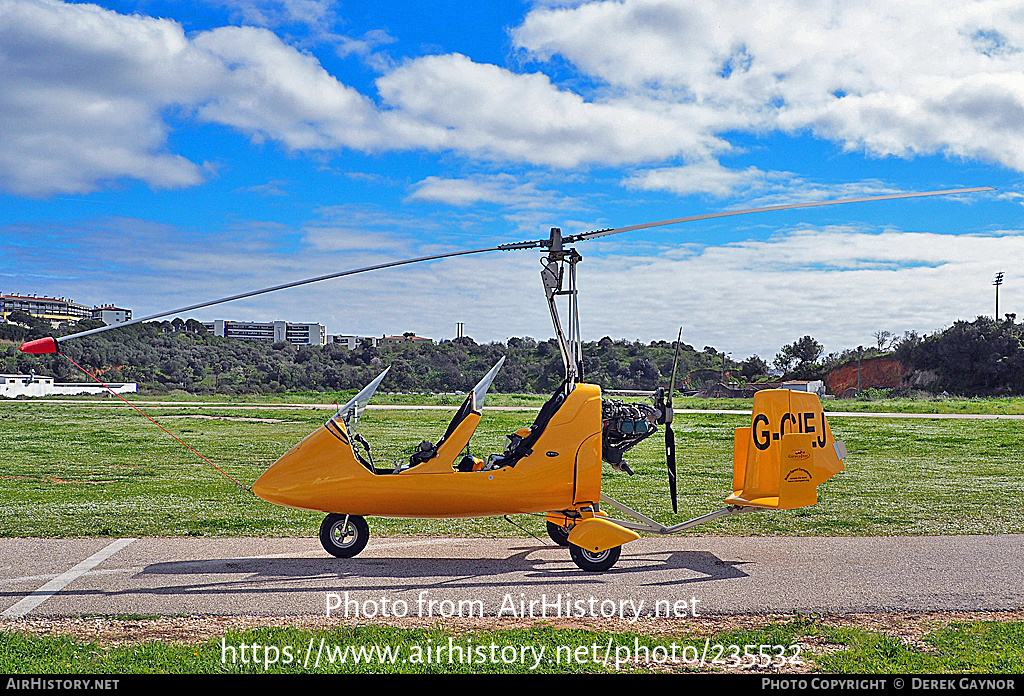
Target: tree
800	356
753	367
37	328
976	358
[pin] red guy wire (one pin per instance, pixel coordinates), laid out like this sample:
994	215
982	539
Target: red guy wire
239	484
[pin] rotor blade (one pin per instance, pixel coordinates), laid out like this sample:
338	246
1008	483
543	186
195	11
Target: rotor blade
670	462
306	281
616	230
351	411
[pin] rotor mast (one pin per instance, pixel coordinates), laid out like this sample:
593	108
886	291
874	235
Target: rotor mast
553	275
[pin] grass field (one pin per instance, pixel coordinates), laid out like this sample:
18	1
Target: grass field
97	471
866	403
795	645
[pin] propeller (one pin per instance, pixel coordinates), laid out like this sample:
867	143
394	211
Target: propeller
670	436
554	243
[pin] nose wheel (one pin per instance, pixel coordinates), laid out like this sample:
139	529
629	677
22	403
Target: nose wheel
343	536
594	561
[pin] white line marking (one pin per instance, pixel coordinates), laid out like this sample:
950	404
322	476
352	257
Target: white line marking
63	580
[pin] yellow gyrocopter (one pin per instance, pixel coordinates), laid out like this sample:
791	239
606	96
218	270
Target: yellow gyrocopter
554	466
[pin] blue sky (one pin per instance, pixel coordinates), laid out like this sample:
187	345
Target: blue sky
156	154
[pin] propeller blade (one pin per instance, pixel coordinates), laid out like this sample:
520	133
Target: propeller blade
629	228
675	364
670	462
670	436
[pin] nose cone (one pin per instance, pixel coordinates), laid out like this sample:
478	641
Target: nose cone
304	476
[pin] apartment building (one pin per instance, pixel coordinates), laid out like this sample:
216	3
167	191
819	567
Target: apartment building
59	310
269	331
111	314
54	309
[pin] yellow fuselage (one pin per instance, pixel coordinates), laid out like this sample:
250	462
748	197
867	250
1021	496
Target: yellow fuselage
563	472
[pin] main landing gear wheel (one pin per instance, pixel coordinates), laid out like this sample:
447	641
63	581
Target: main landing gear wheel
594	561
559	534
344	536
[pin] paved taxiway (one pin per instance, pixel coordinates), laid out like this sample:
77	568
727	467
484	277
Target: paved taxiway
712	575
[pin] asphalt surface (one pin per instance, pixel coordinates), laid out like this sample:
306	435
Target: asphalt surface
674	576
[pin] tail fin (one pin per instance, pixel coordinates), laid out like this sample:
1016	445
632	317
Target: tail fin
785	454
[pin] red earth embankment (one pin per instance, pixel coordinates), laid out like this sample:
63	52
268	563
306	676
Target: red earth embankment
882	371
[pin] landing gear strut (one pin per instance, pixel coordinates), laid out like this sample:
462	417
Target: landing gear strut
559	534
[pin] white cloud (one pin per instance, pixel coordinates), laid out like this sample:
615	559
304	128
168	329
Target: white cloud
502	189
275	187
891	79
274	13
754	186
364	46
452	102
707	177
88	95
272	91
81	94
85	95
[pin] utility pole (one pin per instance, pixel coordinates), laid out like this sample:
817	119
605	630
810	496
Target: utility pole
860	354
997	282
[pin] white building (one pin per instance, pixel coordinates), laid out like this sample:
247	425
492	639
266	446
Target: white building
815	386
13	386
269	331
352	342
112	315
